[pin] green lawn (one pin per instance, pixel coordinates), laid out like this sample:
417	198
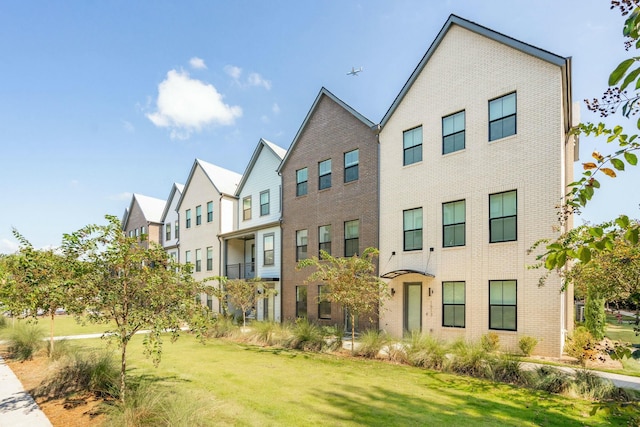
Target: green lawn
624	332
65	325
249	385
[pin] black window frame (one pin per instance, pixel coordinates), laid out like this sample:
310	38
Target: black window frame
324	245
187	215
246	212
502	119
350	242
454	304
167	232
210	211
324	178
198	256
454	225
412	231
209	258
301	301
198	214
268	254
454	136
324	305
302	249
493	306
352	170
409	153
302	185
265	207
494	221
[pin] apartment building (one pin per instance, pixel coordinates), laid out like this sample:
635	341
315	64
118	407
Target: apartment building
171	223
144	217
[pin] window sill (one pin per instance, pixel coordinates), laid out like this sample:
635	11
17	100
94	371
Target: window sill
506	138
507	242
412	164
450	248
453	153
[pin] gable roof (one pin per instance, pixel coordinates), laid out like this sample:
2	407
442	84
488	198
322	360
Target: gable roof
175	188
151	207
224	181
314	106
562	62
277	151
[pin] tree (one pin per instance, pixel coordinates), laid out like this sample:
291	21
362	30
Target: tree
241	294
351	282
615	100
134	287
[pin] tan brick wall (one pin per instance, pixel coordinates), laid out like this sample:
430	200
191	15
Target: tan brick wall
330	132
465	72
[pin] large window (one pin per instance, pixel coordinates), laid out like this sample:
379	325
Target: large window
453	133
188	218
198	260
351	165
210	258
246	208
187	257
301	244
503	305
502	117
264	203
324	174
209	211
453	303
301	301
351	237
412	144
453	223
324	306
167	232
198	215
268	248
503	208
324	238
412	226
301	181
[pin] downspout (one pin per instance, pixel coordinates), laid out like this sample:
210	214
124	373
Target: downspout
281	249
220	248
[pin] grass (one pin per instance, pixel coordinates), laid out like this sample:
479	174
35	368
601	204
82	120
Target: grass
63	325
249	385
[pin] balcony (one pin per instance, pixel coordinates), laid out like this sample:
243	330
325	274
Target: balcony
241	271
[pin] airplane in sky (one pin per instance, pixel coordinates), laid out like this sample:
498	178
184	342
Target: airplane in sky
354	72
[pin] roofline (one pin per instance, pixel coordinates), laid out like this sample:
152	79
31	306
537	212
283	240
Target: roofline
314	106
191	172
243	231
174	188
252	162
483	31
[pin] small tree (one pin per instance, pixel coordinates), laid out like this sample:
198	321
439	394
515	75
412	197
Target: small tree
134	287
595	319
351	282
242	294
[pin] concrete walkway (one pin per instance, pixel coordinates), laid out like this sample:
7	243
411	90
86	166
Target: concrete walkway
17	407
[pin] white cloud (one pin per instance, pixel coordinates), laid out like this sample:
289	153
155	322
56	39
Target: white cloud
275	108
185	105
197	63
256	79
7	246
233	71
121	196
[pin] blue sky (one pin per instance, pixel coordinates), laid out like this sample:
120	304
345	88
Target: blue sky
92	93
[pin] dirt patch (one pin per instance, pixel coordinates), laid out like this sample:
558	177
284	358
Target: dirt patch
73	411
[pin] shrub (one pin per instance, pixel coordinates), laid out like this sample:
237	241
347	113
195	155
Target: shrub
581	345
551	380
267	333
24	340
306	336
527	344
589	385
425	351
507	369
223	326
333	336
490	342
469	359
371	342
3	321
61	349
595	319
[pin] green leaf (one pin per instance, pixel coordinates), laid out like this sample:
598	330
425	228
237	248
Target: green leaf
632	235
550	262
561	259
595	183
618	164
620	71
631	158
622	221
584	254
596	231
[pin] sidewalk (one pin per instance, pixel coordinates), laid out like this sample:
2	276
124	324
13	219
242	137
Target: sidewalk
17	407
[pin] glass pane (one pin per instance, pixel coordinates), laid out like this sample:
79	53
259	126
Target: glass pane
301	237
495	206
509	203
264	198
509	105
458	122
412	137
448	213
325	167
458	315
351	229
351	173
509	126
509	318
509	229
458	141
495	292
509	292
448	144
459	292
458	237
495	130
413	306
325	233
497	234
448	125
495	317
301	175
447	315
268	243
351	158
495	109
448	289
459	211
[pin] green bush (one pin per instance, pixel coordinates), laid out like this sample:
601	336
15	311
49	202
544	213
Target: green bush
595	319
527	344
372	341
425	351
24	340
490	342
581	345
507	369
266	333
223	326
551	380
3	322
61	349
589	385
469	359
306	336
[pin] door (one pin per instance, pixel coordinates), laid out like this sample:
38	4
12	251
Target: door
412	307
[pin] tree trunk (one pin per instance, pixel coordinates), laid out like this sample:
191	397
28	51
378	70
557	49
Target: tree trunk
353	332
123	370
53	315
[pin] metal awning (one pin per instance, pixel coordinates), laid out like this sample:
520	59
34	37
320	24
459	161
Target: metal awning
395	273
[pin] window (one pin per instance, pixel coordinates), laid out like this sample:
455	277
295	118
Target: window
264	203
324	305
187	257
143	230
412	226
324	174
198	260
351	163
502	117
246	208
301	301
453	304
503	217
502	305
176	229
301	244
453	223
130	233
209	258
268	245
137	232
167	232
324	237
301	182
188	218
198	215
453	133
209	211
351	237
412	144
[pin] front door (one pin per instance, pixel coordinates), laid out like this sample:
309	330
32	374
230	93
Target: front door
412	307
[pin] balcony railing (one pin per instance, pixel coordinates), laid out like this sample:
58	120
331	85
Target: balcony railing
241	270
